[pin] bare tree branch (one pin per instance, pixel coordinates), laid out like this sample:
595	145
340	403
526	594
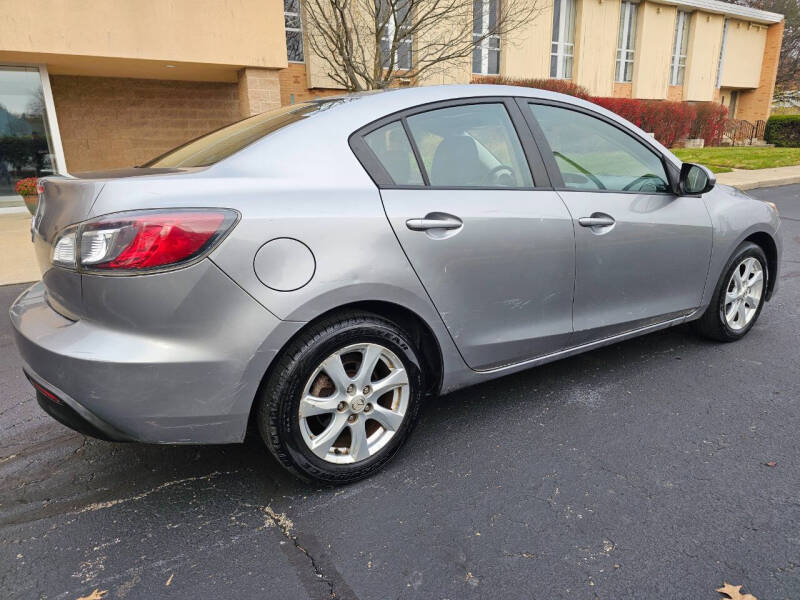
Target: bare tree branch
371	44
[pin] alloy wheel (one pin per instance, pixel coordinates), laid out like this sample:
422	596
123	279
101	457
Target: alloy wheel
354	403
743	294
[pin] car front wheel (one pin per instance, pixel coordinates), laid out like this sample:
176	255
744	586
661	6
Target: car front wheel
342	399
738	297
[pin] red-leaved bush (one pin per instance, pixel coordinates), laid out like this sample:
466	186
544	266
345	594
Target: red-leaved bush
668	121
562	86
709	123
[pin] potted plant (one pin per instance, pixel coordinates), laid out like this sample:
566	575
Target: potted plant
27	188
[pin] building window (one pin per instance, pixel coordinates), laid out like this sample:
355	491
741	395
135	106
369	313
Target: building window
677	68
30	143
563	47
294	30
394	20
626	42
486	55
722	52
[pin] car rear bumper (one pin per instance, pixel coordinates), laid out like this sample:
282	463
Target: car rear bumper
185	385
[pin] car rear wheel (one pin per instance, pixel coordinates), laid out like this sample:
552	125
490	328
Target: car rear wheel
342	399
738	297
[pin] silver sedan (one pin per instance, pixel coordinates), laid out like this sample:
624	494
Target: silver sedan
321	269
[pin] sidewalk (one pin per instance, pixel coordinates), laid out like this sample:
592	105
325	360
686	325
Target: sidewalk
18	261
755	178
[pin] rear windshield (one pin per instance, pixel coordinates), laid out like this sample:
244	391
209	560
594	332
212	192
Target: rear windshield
213	147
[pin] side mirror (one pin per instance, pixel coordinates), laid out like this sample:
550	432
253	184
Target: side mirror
696	180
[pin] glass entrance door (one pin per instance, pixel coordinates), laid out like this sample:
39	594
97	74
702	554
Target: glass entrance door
26	148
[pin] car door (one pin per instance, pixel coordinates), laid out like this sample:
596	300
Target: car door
494	252
642	252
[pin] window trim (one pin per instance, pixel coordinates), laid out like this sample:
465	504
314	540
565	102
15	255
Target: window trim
388	36
564	49
286	30
382	179
628	17
550	162
721	62
483	47
682	32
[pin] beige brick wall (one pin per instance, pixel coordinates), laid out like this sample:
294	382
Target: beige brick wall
294	82
675	93
754	105
259	91
116	122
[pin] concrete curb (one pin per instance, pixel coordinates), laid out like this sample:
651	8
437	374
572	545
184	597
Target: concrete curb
747	180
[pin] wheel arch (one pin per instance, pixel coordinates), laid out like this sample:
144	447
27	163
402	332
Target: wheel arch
411	322
766	242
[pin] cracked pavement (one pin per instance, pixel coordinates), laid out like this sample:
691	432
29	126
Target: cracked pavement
638	470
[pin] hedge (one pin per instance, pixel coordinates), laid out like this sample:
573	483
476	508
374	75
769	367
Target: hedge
783	131
562	86
667	121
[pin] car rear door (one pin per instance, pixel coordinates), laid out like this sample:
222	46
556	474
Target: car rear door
642	252
471	206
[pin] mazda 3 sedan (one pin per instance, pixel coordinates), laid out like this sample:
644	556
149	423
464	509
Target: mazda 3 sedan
321	269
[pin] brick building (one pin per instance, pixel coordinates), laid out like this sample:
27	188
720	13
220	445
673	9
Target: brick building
98	85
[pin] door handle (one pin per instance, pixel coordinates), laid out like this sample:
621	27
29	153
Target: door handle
434	223
604	221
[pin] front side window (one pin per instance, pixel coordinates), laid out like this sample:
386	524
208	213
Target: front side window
390	144
294	30
470	146
594	155
677	68
626	42
395	17
563	46
486	54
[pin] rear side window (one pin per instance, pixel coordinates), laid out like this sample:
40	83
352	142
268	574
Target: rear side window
470	146
390	144
594	155
217	145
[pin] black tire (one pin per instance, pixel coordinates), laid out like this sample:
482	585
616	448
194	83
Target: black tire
712	324
279	400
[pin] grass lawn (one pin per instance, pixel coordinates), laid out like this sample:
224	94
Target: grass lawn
722	160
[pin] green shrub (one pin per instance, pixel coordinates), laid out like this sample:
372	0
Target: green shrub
783	131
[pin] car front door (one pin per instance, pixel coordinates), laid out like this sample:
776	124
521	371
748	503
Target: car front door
494	252
642	252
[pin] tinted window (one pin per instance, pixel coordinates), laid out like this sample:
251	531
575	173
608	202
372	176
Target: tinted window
219	144
593	155
473	145
390	144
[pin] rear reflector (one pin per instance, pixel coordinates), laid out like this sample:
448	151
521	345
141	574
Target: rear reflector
43	391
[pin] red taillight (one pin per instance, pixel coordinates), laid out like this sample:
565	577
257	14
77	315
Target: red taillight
44	391
145	240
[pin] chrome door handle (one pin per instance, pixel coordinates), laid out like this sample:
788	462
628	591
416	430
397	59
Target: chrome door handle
440	223
596	221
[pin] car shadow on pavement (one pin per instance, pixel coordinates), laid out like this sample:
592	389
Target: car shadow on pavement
51	470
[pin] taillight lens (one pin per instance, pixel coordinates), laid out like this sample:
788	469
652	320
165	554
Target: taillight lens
147	240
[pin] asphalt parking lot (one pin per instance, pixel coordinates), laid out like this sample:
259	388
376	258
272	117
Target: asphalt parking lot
656	468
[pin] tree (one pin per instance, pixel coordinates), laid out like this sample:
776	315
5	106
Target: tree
789	66
371	44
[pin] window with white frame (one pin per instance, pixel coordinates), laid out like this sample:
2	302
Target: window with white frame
294	30
722	52
677	68
486	54
562	51
626	41
394	20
